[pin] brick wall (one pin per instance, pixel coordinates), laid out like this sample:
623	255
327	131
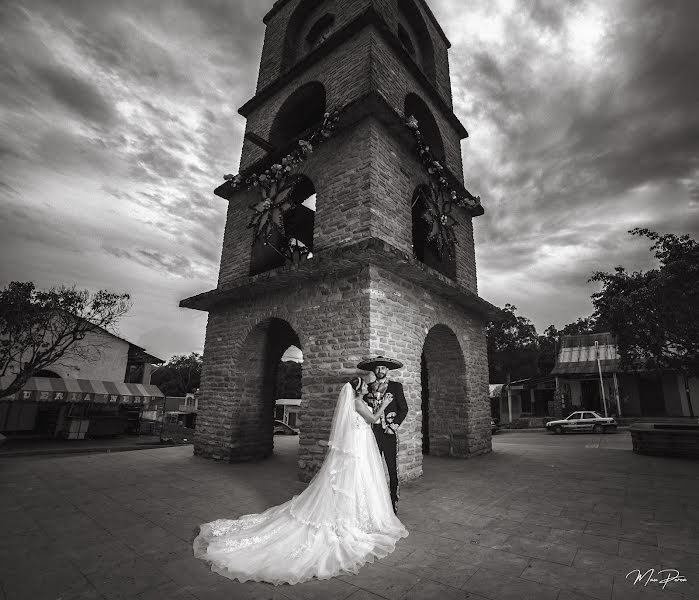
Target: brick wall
328	320
364	177
345	74
277	26
337	322
402	316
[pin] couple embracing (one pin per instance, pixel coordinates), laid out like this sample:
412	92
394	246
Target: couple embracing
346	516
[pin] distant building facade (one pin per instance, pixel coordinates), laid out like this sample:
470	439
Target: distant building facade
589	376
94	391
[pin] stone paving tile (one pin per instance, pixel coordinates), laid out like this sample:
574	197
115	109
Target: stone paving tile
432	590
390	583
591	583
632	535
168	591
554	552
585	540
591	560
37	584
686	542
127	579
655	556
234	590
625	589
319	590
568	595
492	584
92	558
469	535
365	595
453	572
612	518
521	529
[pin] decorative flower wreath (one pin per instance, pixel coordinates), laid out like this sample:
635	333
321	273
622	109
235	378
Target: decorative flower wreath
438	216
276	185
435	169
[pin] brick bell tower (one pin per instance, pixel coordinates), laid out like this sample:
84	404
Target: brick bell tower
349	234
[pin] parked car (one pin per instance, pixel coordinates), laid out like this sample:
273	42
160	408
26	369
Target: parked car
584	420
493	426
281	428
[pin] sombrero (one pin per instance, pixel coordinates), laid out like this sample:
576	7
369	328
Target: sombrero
371	363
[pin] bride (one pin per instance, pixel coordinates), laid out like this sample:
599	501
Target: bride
343	519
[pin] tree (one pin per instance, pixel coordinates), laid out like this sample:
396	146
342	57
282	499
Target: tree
513	346
40	327
653	313
180	375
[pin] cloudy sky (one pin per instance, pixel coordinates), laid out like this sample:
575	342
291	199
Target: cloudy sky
118	118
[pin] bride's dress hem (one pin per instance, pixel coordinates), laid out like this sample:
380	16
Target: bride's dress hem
377	553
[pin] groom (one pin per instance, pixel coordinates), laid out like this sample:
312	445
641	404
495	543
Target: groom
395	413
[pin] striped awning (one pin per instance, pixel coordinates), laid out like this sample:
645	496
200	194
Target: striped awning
56	389
585	367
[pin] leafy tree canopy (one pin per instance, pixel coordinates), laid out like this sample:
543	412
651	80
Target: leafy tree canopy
180	375
653	314
40	327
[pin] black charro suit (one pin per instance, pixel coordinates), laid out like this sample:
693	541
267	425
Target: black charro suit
385	431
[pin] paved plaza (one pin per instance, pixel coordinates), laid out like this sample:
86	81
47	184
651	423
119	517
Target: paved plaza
543	517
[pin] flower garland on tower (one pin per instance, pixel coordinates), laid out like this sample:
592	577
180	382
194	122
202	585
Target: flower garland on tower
441	197
276	185
438	216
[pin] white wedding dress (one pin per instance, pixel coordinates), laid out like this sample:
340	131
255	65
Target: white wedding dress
342	520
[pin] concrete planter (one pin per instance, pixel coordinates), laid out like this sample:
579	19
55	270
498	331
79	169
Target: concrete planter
666	439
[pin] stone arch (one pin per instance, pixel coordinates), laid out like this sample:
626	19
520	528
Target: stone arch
319	32
254	386
305	17
302	110
444	394
416	107
423	250
407	41
415	28
299	223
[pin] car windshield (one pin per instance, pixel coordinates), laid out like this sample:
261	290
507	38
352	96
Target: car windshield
573	416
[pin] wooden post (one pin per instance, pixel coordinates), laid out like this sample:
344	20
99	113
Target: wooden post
601	380
689	396
509	399
616	393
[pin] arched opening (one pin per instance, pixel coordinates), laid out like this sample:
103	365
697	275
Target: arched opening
444	394
288	395
424	250
295	42
404	38
412	21
257	388
427	124
301	111
297	243
319	32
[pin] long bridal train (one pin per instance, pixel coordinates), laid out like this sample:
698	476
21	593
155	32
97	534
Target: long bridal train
341	521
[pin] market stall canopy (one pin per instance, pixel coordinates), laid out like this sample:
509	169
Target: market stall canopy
56	389
578	354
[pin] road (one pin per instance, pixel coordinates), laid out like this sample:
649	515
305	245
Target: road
620	440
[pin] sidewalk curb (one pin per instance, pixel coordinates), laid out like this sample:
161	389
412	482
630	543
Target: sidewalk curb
96	450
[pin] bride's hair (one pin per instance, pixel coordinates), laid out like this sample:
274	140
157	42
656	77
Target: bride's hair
356	383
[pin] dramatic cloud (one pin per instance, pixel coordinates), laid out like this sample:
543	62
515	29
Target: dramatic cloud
583	124
118	118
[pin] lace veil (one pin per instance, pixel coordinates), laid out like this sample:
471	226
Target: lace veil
343	432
